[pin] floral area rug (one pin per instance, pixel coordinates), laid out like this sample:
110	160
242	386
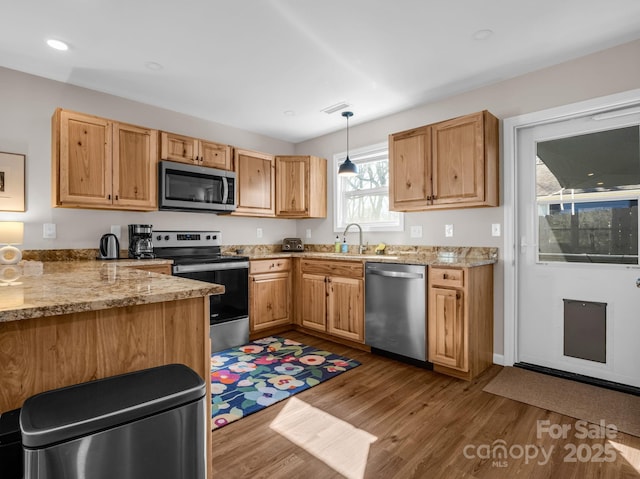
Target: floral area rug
248	378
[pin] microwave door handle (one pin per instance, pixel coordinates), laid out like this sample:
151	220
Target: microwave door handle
225	190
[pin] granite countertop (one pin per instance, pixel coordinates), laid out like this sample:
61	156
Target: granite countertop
431	258
33	289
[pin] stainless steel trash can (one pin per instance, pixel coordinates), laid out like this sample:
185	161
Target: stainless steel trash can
148	423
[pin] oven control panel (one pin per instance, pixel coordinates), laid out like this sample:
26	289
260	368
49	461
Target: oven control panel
173	239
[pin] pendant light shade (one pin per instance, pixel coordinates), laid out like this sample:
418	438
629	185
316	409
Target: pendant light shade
347	168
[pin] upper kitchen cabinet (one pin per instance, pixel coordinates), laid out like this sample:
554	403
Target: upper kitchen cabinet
100	163
185	149
301	187
451	164
255	183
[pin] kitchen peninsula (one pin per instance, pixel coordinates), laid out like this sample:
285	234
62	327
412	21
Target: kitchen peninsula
68	322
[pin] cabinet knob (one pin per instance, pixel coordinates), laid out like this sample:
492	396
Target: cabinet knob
445	276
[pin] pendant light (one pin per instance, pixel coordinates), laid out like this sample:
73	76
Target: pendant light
347	168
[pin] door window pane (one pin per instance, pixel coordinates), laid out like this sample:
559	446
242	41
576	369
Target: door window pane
587	189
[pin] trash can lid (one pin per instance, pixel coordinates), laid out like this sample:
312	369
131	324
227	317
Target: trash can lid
75	411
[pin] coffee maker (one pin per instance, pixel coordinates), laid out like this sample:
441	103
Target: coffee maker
140	244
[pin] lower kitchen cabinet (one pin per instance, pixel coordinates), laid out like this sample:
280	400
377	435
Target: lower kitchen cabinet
269	294
332	298
460	321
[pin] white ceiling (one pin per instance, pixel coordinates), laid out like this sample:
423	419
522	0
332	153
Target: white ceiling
245	63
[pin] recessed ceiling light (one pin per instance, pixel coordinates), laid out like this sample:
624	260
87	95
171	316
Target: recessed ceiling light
155	66
58	45
483	34
289	113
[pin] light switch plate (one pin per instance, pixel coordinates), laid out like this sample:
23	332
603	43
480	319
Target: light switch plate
308	233
416	231
495	229
49	230
448	231
259	232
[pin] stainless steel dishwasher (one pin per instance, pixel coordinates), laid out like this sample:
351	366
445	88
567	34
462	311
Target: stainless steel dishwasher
395	309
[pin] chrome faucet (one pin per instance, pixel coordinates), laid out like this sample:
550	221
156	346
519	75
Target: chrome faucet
361	247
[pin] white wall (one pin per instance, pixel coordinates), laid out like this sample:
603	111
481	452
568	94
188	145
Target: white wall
610	71
27	102
26	105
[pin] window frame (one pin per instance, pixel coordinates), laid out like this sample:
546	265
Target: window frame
358	156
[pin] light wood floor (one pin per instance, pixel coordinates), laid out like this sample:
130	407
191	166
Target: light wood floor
423	422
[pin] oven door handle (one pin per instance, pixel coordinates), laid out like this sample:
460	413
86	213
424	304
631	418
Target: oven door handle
197	268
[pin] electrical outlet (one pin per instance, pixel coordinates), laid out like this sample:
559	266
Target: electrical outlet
495	229
259	232
416	231
308	233
448	231
49	230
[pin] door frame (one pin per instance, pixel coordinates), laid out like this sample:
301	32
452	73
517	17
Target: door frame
511	127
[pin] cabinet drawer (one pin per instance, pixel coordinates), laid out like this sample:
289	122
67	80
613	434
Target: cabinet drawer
351	269
269	265
453	278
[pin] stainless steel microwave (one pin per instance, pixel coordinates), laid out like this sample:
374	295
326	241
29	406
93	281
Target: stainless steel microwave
185	187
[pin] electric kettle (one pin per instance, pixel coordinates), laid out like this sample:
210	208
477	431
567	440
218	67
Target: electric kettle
109	247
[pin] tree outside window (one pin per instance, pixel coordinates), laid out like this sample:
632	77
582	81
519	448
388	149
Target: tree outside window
364	199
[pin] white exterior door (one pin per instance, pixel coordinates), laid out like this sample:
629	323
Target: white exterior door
569	200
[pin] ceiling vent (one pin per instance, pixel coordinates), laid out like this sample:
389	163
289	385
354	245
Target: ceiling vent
334	108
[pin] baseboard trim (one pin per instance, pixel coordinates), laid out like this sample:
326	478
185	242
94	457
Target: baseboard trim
498	359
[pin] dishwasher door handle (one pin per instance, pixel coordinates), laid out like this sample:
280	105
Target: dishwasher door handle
395	274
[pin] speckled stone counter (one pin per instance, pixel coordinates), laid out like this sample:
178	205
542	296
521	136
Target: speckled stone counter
461	257
34	289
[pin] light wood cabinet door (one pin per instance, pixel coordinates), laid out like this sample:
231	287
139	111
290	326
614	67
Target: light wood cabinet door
214	155
270	300
313	314
345	308
301	187
410	169
100	163
135	163
458	160
447	334
81	159
450	164
182	149
185	149
255	183
332	297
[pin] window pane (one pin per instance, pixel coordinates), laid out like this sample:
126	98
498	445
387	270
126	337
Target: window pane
586	188
371	174
594	232
595	162
369	209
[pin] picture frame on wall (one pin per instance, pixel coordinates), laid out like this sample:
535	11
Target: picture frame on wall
12	182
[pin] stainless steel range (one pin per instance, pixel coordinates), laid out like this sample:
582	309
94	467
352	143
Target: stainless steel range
197	255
